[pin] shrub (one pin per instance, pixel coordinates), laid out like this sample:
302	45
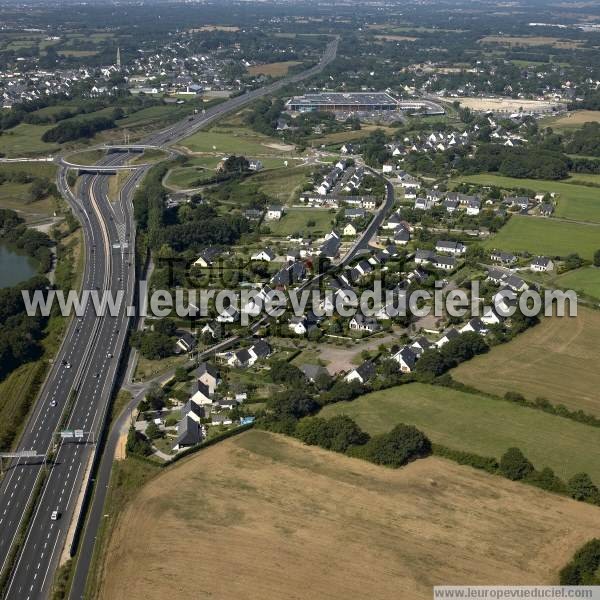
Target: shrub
401	445
514	465
583	569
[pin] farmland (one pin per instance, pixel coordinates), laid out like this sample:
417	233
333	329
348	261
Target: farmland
276	69
282	185
575	202
572	120
279	510
505	104
546	236
584	281
26	140
530	40
476	423
555	359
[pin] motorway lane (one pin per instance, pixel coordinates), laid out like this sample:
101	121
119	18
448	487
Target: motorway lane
45	538
16	487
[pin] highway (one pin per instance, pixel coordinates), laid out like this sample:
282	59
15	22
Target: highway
80	382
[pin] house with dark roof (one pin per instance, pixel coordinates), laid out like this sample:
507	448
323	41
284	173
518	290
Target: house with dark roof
361	323
450	335
193	410
505	258
208	374
475	325
406	358
311	372
207	257
186	342
541	264
363	373
189	433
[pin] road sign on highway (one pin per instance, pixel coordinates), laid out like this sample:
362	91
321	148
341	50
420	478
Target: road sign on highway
79	433
67	434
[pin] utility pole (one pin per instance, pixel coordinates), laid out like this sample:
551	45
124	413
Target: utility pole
119	58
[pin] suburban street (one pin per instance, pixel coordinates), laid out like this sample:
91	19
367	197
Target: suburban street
80	384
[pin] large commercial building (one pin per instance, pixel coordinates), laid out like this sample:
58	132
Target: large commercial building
339	102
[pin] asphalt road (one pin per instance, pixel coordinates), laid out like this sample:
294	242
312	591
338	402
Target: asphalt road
81	380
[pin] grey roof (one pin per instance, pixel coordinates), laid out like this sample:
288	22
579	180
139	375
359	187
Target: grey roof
331	247
540	261
203	388
366	370
311	372
408	356
209	368
343	99
192	407
261	349
189	432
243	356
424	254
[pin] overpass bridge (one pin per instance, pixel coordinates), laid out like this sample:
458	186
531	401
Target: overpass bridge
100	169
110	149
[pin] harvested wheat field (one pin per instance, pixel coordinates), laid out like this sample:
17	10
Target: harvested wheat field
556	360
261	516
506	104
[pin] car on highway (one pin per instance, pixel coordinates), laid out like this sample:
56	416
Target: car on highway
53	403
55	516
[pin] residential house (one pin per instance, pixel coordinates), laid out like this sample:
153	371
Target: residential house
208	374
451	205
516	284
186	342
193	410
229	314
450	335
505	258
361	323
266	255
189	433
455	248
207	257
312	372
473	206
423	204
423	256
446	263
349	230
475	325
202	394
363	373
354	213
420	345
406	358
274	212
541	264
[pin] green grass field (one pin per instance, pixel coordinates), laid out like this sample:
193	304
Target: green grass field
479	424
26	140
283	184
296	219
190	177
585	281
546	236
14	196
236	141
576	202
